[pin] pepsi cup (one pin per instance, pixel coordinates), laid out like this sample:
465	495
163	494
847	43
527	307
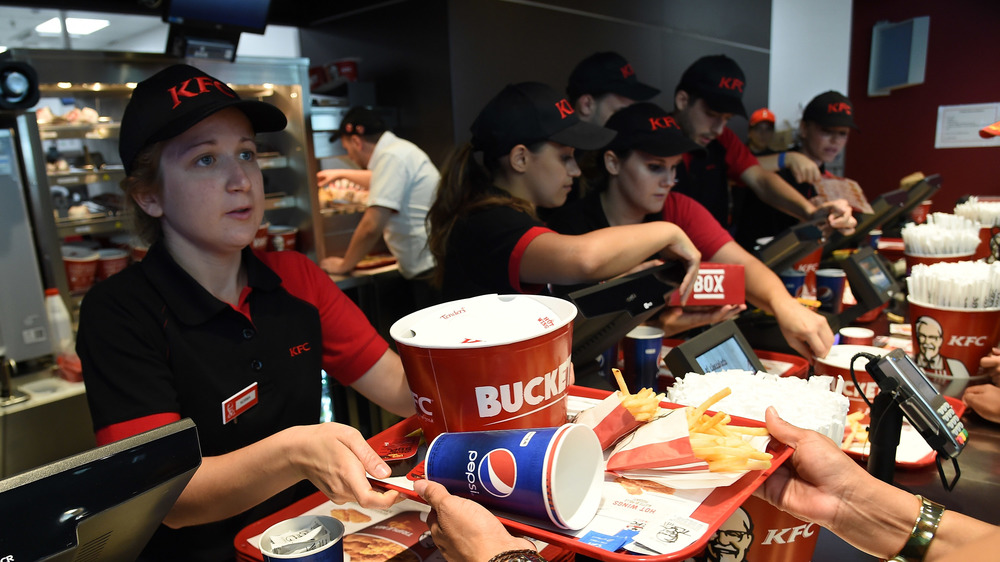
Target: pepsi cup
550	473
830	289
794	281
641	351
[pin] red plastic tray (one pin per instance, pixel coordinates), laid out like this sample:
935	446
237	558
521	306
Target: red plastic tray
714	511
927	459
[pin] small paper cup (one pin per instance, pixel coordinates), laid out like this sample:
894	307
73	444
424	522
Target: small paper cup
857	336
550	473
332	551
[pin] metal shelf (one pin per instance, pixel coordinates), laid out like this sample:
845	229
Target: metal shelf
79	131
97	225
78	177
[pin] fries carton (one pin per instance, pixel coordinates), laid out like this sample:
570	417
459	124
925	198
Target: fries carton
609	419
717	284
661	444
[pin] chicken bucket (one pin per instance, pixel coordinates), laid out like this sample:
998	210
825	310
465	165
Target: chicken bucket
488	362
838	363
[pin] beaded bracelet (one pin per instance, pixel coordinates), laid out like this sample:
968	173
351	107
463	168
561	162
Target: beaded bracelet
923	532
524	555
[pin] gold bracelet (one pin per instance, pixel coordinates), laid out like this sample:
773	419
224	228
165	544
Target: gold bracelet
923	532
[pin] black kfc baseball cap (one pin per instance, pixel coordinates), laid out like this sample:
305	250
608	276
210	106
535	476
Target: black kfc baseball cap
830	109
175	99
607	72
531	112
359	121
648	128
719	81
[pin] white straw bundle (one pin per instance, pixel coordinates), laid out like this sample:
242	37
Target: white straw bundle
986	213
965	284
943	235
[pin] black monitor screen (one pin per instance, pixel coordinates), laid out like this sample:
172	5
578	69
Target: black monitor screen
239	15
725	356
875	273
102	504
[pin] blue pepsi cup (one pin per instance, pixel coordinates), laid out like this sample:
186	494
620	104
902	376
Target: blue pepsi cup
794	280
332	551
608	360
830	289
641	350
549	473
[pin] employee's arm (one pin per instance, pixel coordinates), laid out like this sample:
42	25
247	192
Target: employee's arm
807	332
366	235
360	177
385	384
776	192
605	253
803	169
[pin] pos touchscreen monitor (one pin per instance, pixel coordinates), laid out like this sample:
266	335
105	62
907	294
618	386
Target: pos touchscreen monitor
721	348
608	311
102	504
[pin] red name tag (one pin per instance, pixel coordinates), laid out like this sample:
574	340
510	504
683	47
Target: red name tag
239	403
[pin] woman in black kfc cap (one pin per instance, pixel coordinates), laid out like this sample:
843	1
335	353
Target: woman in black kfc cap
636	185
204	328
484	232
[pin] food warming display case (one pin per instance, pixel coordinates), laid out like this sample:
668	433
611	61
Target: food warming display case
70	147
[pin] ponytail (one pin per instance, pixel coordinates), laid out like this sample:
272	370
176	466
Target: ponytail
465	186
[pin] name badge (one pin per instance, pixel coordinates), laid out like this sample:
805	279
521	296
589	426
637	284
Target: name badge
238	403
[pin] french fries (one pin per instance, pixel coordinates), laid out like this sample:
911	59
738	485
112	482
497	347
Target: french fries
643	405
721	445
858	433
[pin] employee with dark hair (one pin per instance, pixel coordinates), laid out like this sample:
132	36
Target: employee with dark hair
204	328
484	232
710	92
636	185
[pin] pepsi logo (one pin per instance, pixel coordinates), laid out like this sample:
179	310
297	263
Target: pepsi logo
498	472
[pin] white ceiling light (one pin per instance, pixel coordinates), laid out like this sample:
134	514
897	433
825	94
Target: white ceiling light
75	26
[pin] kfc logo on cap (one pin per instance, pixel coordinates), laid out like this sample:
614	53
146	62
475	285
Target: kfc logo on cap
728	83
662	123
839	108
565	108
202	84
627	71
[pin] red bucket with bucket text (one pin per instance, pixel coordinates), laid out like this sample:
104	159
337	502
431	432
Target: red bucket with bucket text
477	385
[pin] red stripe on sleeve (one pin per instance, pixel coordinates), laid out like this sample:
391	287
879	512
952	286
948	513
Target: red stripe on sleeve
514	262
119	431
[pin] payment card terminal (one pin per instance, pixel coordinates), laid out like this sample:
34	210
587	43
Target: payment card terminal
920	401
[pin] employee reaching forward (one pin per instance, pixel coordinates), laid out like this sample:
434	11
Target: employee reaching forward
206	329
402	182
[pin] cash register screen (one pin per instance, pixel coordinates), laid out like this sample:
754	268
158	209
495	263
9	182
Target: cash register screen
725	356
875	273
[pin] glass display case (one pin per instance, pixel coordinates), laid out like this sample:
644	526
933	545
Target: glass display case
70	147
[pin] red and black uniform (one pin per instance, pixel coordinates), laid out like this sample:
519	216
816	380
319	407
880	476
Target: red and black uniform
587	214
157	347
706	175
485	249
756	219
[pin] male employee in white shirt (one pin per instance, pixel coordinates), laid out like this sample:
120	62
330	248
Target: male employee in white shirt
402	184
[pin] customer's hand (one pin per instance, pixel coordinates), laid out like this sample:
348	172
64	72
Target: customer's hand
462	529
335	266
991	365
814	483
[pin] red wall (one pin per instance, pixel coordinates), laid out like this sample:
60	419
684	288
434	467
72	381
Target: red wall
896	135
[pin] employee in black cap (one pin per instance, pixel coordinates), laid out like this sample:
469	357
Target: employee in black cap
205	328
603	83
402	182
823	132
709	93
485	235
636	186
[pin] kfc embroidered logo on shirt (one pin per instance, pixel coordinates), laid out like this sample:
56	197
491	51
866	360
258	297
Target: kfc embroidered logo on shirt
194	87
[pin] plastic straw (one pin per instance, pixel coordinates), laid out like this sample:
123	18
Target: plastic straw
964	285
